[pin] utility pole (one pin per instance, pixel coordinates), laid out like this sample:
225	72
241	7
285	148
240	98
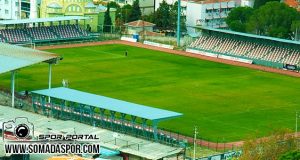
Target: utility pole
195	139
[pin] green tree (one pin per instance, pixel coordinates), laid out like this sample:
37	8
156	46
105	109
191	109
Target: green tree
163	16
149	17
107	20
125	13
259	3
273	19
136	11
174	14
291	155
115	5
269	148
296	29
238	18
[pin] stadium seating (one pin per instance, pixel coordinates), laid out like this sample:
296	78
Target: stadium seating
1	38
43	33
15	35
67	31
252	50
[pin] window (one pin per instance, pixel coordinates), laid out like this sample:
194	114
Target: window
73	8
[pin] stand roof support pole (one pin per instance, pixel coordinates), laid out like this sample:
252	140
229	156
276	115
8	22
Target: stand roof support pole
50	79
13	74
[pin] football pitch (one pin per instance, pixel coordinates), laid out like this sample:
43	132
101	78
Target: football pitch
227	103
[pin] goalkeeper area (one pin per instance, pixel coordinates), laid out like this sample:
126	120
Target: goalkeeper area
226	102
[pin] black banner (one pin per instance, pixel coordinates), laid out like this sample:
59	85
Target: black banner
290	67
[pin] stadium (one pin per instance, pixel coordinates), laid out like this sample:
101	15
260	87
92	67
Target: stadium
146	103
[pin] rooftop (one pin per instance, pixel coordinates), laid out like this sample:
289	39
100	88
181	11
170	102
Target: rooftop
14	57
40	20
210	1
139	23
107	103
293	3
252	35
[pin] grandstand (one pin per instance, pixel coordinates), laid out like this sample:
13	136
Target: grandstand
262	50
41	32
122	145
70	104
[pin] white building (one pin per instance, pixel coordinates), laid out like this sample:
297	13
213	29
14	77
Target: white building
247	3
208	13
10	9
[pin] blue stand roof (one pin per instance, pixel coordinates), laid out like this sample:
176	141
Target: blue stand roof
107	103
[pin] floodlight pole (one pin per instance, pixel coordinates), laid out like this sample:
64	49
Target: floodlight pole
50	79
178	23
13	88
195	139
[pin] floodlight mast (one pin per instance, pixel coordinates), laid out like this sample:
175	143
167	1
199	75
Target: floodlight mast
178	22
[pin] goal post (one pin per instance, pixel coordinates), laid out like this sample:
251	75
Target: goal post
27	44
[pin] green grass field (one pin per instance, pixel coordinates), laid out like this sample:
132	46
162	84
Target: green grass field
227	103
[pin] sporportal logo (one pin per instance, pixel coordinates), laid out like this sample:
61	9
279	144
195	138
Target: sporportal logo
18	137
19	129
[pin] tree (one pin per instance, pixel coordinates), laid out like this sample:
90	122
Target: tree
136	11
174	14
119	21
291	155
163	16
107	20
296	29
238	18
272	147
149	17
115	5
259	3
273	19
126	12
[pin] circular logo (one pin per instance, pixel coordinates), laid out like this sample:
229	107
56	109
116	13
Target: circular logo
22	131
